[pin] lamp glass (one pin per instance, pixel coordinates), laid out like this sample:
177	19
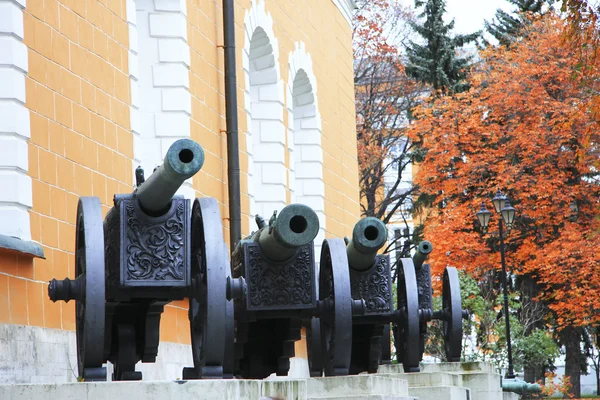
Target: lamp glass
483	216
508	214
499	200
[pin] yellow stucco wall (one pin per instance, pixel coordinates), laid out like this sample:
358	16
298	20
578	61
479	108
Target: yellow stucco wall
78	94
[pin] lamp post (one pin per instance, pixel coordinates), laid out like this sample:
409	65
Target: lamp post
507	215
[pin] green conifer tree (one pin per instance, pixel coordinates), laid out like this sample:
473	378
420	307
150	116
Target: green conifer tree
506	27
436	61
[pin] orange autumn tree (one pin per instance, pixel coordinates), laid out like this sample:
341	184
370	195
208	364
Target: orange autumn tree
523	128
384	96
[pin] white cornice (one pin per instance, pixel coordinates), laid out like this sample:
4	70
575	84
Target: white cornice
346	8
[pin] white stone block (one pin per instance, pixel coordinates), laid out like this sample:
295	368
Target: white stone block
274	174
304	99
172	124
13	52
133	38
134	118
270	193
176	100
16	188
12	84
134	66
269	152
130	11
135	94
307	136
13	153
311	153
266	61
309	170
313	187
267	207
272	131
173	50
174	75
271	93
271	110
317	203
310	123
14	119
171	5
306	111
263	77
147	125
168	25
11	19
15	221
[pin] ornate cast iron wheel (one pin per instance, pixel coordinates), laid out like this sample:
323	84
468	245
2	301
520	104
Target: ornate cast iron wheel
406	327
90	309
335	308
211	320
452	309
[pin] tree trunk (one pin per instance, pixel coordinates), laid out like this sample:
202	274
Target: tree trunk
571	337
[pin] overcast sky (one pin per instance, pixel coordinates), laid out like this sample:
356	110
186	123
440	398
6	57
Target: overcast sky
470	14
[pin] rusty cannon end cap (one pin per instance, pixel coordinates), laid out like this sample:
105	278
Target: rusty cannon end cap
185	157
369	235
297	225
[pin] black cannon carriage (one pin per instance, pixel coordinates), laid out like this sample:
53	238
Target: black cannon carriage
371	281
147	253
277	293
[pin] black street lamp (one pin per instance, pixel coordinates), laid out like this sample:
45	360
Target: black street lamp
507	212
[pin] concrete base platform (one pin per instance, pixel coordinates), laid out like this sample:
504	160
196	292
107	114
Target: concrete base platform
478	380
358	387
441	393
365	387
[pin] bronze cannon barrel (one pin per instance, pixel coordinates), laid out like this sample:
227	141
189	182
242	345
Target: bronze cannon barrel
183	160
296	225
423	250
368	236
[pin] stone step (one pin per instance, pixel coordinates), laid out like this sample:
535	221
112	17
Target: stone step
456	367
357	385
429	379
365	397
440	393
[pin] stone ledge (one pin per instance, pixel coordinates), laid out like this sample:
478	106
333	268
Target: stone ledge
21	246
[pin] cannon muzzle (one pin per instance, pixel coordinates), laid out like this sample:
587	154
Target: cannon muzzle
520	387
423	250
183	160
368	236
296	225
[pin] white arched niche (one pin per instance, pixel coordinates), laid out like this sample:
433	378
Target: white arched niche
304	138
264	104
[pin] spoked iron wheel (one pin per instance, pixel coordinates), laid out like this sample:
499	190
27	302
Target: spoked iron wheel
335	305
208	313
406	326
90	308
452	309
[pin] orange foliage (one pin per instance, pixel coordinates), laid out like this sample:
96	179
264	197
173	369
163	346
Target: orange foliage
528	127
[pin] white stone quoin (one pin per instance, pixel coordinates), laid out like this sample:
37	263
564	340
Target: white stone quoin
304	138
159	62
16	193
264	104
